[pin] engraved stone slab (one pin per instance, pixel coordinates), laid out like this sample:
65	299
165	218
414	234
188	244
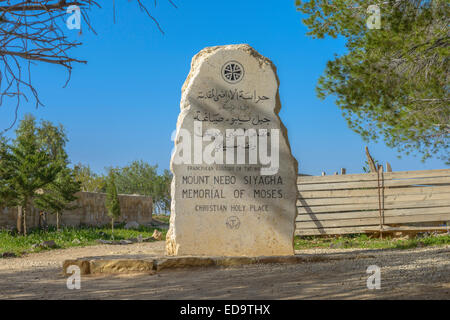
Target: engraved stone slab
234	187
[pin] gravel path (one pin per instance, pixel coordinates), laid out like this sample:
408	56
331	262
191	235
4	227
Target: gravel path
405	274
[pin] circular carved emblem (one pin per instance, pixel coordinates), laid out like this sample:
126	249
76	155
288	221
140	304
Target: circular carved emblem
233	223
232	72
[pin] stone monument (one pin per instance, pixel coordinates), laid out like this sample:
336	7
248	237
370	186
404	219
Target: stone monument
234	182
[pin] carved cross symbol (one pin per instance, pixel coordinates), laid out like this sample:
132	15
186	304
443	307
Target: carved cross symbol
232	72
233	222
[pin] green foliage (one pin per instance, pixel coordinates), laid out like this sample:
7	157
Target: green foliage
366	167
139	177
60	194
89	181
9	242
165	218
364	241
52	140
7	194
162	195
27	167
31	163
34	169
393	82
87	236
112	199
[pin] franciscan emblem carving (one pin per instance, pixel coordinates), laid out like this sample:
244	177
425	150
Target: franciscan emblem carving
232	72
233	223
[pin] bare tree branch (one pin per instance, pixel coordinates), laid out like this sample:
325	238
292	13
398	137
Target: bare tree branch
34	31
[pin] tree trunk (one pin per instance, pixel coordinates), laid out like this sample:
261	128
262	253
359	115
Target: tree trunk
24	214
40	219
44	221
57	221
19	220
22	219
112	228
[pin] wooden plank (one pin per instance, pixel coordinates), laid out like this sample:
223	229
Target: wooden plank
371	199
338	186
373	192
351	230
338	193
335	201
408	228
301	217
333	231
373	176
369	214
338	223
349	203
336	216
426	215
374	221
374	206
336	231
338	178
417	174
417	181
387	212
373	184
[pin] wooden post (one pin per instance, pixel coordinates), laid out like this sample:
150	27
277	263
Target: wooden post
388	167
372	166
380	180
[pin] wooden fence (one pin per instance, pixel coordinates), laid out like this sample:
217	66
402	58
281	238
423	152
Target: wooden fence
360	203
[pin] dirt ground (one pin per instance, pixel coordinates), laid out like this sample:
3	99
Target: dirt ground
422	273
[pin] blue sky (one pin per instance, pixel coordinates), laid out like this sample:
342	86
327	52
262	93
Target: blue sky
123	105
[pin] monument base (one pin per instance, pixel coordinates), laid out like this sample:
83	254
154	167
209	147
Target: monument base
153	265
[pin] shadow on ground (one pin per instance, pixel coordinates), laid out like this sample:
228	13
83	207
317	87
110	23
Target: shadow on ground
408	274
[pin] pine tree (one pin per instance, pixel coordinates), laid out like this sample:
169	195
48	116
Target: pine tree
59	195
7	193
392	81
112	200
28	168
